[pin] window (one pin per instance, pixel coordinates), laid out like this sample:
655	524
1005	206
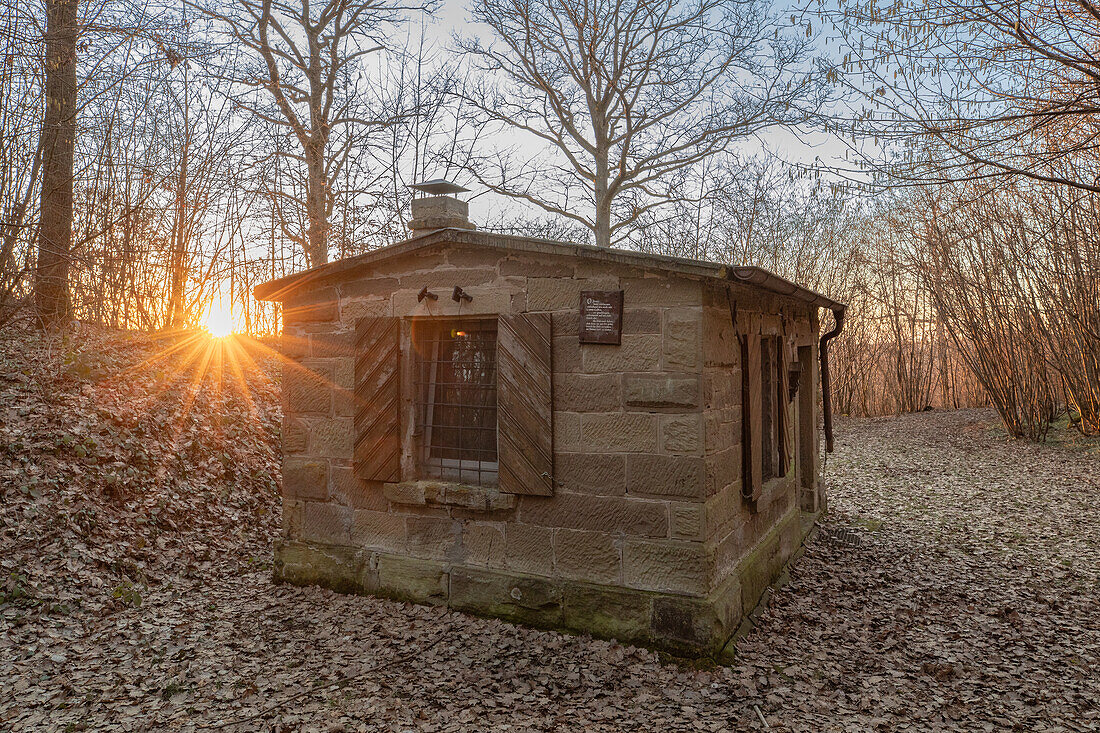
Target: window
775	453
481	394
765	448
768	421
456	400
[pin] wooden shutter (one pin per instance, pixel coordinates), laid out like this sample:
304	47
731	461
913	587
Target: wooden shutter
525	438
752	439
782	402
377	399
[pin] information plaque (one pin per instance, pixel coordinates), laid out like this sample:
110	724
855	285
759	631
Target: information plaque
601	317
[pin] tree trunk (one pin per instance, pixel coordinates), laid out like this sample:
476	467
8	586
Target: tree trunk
603	200
176	312
316	206
58	140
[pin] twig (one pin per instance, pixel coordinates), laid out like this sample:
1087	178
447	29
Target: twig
761	716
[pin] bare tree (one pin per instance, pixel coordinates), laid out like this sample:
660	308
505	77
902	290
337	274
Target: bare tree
20	158
971	89
305	60
622	95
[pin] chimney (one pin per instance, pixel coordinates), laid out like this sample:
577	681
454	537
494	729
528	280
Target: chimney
437	208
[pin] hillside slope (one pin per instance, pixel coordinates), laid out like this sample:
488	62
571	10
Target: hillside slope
127	459
952	587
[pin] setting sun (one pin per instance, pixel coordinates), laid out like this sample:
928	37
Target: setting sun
218	320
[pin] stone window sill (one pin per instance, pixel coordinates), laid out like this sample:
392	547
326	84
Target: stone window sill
445	493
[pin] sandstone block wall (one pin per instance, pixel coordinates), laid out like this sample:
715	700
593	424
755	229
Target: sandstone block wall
740	536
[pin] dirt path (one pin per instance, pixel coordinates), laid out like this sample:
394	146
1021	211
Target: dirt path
954	586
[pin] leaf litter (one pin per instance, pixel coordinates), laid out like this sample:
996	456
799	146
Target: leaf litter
953	585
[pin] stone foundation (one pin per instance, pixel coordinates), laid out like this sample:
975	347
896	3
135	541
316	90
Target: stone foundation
678	624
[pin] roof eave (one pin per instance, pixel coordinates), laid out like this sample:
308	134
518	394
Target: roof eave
283	288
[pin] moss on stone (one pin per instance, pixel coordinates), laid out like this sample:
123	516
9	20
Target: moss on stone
608	613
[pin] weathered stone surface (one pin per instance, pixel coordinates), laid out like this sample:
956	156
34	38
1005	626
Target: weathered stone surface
591	473
720	345
723	509
636	517
607	612
488	300
343	402
638	353
327	523
352	309
421	260
567	354
344	373
480	498
641	320
530	549
308	390
682	348
691	623
553	293
670	566
408	579
310	313
426	210
589	556
332	438
527	600
723	468
682	434
295	436
687	520
407	492
660	391
332	345
587	392
365	287
380	530
305	478
530	268
348	489
293	345
442	282
666	476
566	323
719	434
339	568
626	432
568	432
475	257
664	291
760	565
291	518
483	544
427	492
435	538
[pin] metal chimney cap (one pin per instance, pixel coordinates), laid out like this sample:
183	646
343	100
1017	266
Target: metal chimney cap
438	187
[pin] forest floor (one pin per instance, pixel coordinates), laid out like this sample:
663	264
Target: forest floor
954	584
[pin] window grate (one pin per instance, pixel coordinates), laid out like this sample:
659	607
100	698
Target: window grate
456	390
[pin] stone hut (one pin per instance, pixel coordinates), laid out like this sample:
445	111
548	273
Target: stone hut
570	437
